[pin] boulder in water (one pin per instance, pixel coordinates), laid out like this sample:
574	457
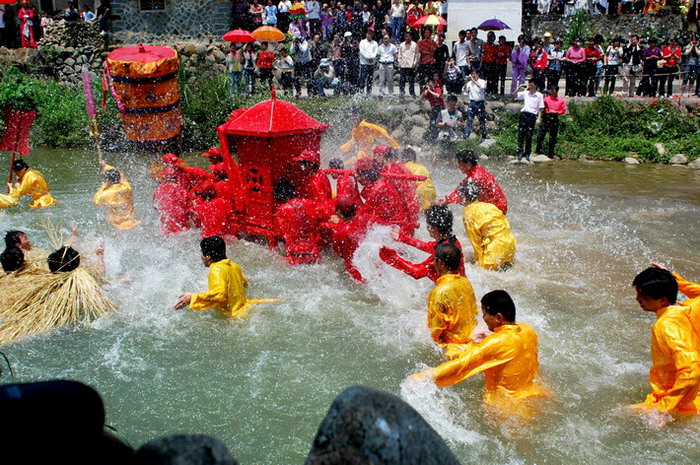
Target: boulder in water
367	426
679	159
695	164
184	449
631	161
541	159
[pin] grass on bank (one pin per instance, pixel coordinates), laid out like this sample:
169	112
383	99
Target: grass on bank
605	129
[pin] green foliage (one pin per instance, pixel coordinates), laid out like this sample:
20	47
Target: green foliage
62	119
17	90
579	27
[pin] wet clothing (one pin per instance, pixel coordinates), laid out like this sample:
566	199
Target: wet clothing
384	201
399	176
489	189
32	184
118	200
489	232
316	187
364	137
172	202
507	357
297	223
425	190
452	310
347	188
227	290
212	216
346	238
425	268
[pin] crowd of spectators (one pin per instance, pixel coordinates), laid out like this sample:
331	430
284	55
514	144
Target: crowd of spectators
610	7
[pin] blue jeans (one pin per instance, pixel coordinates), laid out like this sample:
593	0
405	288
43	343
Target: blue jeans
321	84
478	109
396	29
235	87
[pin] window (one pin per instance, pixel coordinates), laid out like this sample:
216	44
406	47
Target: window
152	5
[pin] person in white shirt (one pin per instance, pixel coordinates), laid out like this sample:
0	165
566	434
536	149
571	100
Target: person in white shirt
368	58
387	56
313	14
283	15
460	52
398	14
533	103
408	61
302	65
475	88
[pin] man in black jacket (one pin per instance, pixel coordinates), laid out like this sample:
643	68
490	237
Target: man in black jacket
631	65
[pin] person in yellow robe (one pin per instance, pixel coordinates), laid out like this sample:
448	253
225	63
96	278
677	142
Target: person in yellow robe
674	376
365	136
116	197
31	183
488	230
227	284
452	306
508	357
425	190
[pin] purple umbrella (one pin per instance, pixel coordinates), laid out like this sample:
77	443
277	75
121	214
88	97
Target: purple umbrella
493	25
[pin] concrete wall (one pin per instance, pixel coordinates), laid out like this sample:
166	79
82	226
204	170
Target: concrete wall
181	20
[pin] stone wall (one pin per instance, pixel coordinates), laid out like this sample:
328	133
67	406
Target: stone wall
180	20
645	25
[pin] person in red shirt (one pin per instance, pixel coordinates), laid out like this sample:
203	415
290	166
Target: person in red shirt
554	107
346	186
264	63
297	224
502	55
211	212
439	220
187	176
349	232
539	64
489	189
215	156
172	202
308	181
672	54
400	176
433	94
593	56
488	62
382	198
426	60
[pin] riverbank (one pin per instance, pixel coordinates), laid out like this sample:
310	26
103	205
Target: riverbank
604	128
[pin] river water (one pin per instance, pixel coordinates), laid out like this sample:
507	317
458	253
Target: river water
263	385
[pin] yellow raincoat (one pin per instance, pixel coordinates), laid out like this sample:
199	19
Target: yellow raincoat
425	190
489	232
675	362
227	291
364	138
118	201
508	359
32	184
452	310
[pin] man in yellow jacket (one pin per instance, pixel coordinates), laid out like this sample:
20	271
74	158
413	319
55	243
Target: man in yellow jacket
365	136
227	284
31	183
116	197
452	306
675	346
425	190
508	357
488	230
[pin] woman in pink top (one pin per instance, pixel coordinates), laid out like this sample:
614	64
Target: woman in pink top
576	72
554	106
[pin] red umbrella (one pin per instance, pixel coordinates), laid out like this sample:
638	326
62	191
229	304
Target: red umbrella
430	20
237	35
8	2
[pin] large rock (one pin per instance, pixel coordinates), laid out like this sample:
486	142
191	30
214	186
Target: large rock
513	108
631	161
420	120
398	133
541	159
679	159
200	49
219	55
417	135
184	450
366	426
660	148
189	50
496	105
695	164
486	143
412	108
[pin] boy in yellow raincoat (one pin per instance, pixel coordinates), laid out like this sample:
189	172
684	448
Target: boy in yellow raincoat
488	230
425	190
365	136
452	306
227	284
675	346
116	197
508	357
31	183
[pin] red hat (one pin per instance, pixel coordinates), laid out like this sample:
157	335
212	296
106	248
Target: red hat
205	186
213	152
381	149
172	159
309	155
366	164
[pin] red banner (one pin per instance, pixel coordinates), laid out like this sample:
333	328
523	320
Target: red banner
15	136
